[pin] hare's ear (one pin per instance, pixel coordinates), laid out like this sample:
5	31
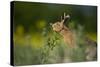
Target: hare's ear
66	17
63	19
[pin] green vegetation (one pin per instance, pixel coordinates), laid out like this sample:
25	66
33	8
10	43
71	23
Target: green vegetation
36	43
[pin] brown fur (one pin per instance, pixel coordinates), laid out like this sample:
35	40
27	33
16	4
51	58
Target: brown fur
65	32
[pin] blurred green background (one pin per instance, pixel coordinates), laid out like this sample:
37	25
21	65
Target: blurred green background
31	29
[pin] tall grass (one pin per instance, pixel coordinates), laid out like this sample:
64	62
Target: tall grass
52	50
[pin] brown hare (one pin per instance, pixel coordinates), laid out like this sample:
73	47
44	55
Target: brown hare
64	31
